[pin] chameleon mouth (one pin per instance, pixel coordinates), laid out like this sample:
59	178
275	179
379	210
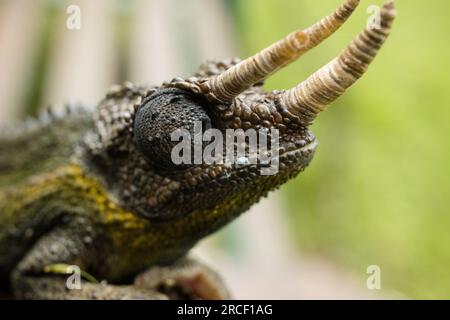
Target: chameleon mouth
305	150
299	154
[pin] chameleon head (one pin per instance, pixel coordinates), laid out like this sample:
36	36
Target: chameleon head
228	96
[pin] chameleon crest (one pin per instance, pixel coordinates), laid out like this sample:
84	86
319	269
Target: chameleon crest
103	192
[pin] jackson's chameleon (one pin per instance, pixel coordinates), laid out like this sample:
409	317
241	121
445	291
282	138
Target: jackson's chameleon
99	189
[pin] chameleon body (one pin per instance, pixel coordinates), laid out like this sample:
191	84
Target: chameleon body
97	189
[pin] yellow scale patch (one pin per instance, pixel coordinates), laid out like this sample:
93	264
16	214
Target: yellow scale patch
70	182
128	231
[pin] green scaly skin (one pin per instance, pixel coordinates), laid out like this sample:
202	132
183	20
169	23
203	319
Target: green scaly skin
99	190
65	199
65	215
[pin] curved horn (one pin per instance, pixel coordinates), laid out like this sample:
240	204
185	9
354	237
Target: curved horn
226	86
312	96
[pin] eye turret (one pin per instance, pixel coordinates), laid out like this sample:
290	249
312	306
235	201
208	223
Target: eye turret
160	115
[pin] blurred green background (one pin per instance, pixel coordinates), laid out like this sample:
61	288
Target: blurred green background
378	190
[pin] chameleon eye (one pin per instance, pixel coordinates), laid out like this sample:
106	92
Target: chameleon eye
159	116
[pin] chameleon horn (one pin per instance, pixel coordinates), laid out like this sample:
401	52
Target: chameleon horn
312	96
226	86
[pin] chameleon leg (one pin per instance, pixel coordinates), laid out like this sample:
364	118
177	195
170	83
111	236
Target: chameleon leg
42	274
36	276
184	279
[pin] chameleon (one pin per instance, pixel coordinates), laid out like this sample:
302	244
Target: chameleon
97	189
